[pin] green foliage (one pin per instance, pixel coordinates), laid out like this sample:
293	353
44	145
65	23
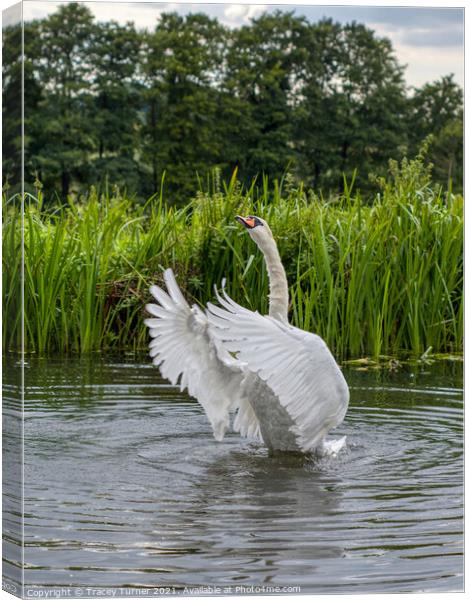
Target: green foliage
181	133
108	105
353	115
263	71
373	278
12	71
114	54
436	109
12	273
60	132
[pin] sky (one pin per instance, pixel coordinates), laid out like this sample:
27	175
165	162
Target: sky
429	41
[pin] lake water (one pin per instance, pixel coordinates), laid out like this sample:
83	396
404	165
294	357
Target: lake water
126	487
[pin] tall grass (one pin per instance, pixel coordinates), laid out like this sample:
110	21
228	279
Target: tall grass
371	277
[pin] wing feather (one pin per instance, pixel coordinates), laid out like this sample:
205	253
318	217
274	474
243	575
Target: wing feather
162	297
186	353
296	365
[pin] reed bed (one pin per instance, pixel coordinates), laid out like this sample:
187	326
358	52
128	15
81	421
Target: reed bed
373	277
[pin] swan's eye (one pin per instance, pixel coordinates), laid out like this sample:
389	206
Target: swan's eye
249	222
254	222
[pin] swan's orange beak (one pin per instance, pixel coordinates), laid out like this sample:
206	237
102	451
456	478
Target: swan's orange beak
248	222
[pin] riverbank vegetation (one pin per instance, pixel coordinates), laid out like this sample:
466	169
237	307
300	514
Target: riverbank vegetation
372	276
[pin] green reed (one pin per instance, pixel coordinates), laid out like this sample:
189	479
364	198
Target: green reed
372	277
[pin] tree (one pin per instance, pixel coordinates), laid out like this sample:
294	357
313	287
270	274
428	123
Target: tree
446	154
263	67
114	54
11	108
316	132
12	98
183	58
437	109
352	104
61	131
106	103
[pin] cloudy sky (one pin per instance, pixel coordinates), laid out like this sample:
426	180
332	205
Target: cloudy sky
428	40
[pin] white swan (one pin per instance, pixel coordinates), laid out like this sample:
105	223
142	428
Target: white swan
282	383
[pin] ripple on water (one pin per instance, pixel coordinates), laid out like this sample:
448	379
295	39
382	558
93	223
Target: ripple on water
124	485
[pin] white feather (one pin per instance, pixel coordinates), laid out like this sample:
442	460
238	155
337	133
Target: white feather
185	351
297	366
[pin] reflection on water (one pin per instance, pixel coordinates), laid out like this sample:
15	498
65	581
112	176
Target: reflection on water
125	486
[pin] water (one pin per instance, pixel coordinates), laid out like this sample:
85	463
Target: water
125	486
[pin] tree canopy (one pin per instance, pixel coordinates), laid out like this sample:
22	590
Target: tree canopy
106	104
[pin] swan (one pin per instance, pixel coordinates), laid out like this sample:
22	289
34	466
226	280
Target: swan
281	383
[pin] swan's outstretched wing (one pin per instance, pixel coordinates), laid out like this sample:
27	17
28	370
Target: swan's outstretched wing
296	365
183	348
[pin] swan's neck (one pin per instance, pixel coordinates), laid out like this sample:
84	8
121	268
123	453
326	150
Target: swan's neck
278	288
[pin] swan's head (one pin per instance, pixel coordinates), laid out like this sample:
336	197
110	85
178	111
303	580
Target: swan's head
257	228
